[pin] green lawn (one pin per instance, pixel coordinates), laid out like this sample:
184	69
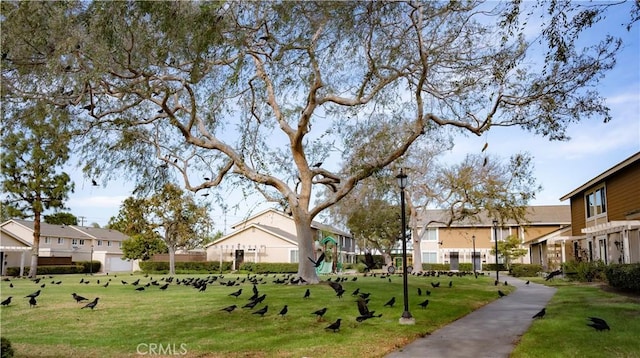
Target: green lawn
182	320
563	332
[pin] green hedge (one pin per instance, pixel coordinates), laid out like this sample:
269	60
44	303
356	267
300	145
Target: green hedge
267	267
5	348
624	276
185	267
525	270
88	267
492	267
584	271
47	270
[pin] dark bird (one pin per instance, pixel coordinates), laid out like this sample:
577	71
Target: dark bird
356	292
553	274
92	304
229	308
424	304
141	288
336	286
419	291
319	313
33	295
340	293
365	295
495	283
78	298
450	284
317	165
526	283
6	302
540	314
434	285
164	287
317	262
506	283
261	311
11	285
363	309
89	107
284	311
251	304
335	326
94	182
106	285
307	293
501	294
236	294
32	301
428	293
599	324
391	302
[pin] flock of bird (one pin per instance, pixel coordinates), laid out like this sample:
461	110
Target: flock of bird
258	298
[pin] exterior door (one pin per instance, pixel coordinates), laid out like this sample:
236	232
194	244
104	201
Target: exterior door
602	244
239	258
455	261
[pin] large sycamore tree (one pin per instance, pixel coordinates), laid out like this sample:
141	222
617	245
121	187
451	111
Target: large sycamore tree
253	94
35	147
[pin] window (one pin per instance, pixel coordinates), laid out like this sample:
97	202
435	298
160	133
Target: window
429	257
596	202
293	256
60	241
99	242
108	243
47	240
431	234
81	242
74	242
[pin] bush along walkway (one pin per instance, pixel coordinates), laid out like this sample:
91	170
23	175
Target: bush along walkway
491	331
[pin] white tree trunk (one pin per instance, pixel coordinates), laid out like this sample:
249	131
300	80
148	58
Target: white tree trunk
172	260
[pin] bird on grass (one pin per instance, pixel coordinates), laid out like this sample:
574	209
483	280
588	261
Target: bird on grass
363	309
434	285
284	311
501	294
236	294
495	283
307	293
78	298
319	313
261	311
506	283
33	295
424	304
419	291
6	302
32	302
356	292
598	324
335	326
428	293
92	304
163	287
141	288
317	262
391	302
106	285
540	314
229	308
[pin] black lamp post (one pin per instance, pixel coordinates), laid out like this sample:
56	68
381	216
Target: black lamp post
406	315
91	262
473	254
495	237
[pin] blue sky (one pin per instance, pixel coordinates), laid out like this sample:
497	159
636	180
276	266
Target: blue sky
560	167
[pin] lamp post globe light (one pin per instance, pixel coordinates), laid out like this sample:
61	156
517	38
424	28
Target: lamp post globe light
406	317
495	237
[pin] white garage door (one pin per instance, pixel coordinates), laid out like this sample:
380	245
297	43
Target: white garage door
116	264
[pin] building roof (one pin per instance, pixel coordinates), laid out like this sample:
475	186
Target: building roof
73	231
274	231
607	173
314	224
536	215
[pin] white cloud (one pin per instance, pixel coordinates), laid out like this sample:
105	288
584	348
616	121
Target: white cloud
96	202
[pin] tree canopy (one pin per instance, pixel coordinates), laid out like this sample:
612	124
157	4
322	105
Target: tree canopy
255	93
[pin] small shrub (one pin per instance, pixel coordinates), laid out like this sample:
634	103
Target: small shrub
624	276
185	267
584	271
88	267
5	348
492	267
435	267
525	270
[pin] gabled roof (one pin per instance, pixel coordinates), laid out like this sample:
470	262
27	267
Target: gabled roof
72	231
314	224
536	215
271	230
607	173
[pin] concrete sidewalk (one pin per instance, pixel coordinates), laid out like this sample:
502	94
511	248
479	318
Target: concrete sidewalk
491	331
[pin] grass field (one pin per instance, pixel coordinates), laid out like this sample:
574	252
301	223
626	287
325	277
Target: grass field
183	321
564	333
